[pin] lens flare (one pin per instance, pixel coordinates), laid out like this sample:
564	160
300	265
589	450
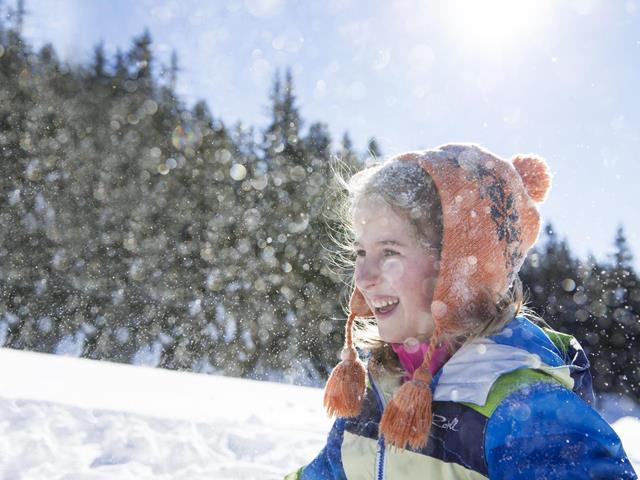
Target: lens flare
186	137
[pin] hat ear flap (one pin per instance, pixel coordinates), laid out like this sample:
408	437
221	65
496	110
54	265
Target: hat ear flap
358	305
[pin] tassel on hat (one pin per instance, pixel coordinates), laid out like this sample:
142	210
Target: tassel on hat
406	420
407	417
345	388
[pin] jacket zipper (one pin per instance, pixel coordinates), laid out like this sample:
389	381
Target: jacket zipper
381	449
380	459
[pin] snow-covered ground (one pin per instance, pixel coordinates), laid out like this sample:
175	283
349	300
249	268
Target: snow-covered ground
72	419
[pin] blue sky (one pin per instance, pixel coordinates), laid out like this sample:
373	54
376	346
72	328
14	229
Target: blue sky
557	78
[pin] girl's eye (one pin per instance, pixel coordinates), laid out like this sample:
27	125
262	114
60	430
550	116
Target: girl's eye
386	253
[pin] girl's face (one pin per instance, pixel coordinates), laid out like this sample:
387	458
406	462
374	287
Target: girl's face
394	272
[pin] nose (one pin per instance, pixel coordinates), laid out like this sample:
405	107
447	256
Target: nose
367	273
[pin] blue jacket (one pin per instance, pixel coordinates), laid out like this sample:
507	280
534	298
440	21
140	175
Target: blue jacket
516	404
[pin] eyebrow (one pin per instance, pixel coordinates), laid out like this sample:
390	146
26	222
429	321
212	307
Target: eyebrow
382	242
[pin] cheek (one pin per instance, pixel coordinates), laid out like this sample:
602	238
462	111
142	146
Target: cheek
420	286
393	270
357	273
428	286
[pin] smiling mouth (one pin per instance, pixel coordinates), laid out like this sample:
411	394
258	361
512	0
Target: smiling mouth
385	308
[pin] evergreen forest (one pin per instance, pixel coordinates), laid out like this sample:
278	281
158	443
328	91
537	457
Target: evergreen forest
138	229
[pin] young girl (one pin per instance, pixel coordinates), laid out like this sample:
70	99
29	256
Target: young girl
459	383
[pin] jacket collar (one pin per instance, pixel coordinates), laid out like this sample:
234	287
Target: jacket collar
471	372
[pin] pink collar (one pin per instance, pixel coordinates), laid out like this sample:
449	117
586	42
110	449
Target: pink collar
411	360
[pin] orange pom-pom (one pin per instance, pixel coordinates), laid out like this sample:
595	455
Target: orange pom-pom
345	388
407	417
535	175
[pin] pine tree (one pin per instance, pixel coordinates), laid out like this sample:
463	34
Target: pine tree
174	69
20	15
622	258
99	61
317	143
141	59
622	329
373	150
346	143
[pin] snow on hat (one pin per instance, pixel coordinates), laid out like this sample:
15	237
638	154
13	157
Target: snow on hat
490	221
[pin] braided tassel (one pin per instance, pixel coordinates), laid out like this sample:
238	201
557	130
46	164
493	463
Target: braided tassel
345	388
407	417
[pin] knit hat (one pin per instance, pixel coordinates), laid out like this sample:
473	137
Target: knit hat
489	221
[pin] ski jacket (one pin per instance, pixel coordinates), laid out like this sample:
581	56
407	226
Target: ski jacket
514	405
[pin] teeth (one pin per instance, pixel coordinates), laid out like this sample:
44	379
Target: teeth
384	303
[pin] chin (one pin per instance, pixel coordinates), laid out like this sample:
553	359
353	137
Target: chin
390	338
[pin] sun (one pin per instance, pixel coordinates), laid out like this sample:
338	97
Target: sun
495	25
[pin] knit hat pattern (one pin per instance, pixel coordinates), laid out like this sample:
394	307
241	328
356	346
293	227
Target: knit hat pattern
490	220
